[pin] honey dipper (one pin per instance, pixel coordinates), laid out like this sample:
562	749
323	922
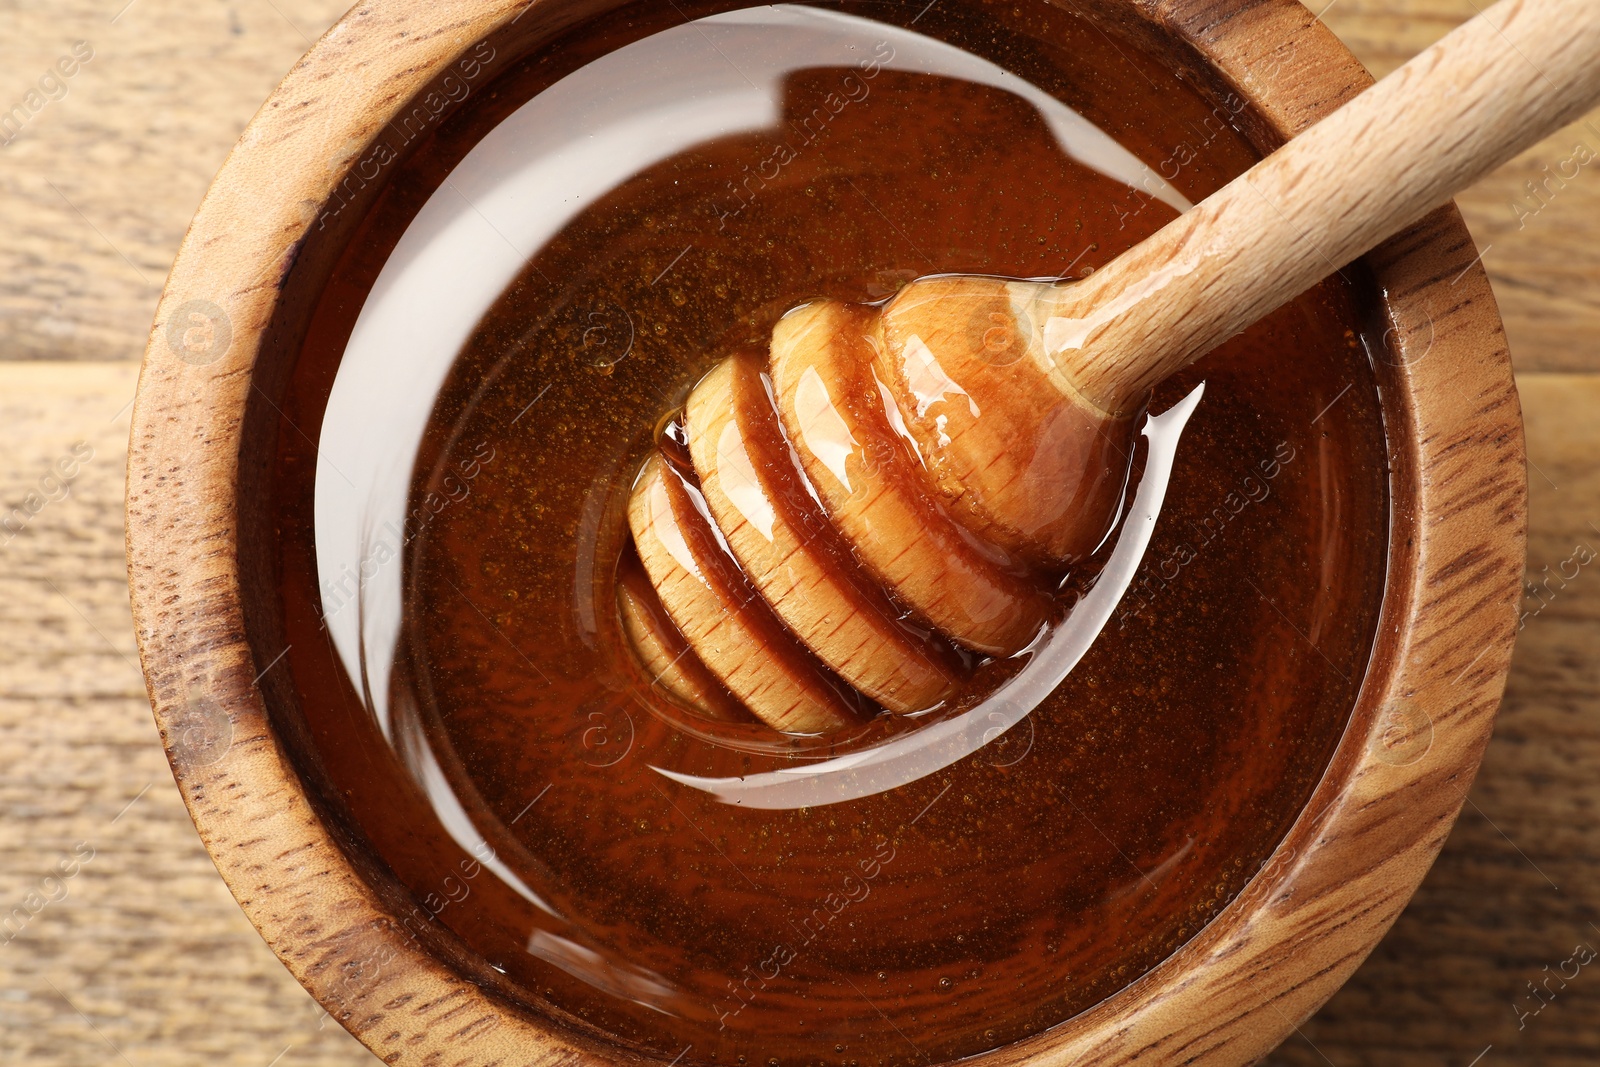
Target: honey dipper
891	485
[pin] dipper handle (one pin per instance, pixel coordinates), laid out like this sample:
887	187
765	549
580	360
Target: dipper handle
1496	85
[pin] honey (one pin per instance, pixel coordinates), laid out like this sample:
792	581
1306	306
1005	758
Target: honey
503	755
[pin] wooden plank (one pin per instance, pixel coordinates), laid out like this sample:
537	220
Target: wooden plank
99	185
142	938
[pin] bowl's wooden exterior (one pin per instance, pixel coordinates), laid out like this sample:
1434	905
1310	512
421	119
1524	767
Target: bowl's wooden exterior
228	327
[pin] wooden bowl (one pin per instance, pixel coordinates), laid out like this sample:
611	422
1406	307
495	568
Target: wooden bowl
229	327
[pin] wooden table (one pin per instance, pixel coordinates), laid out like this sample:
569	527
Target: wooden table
141	957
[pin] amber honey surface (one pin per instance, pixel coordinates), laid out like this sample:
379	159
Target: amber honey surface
957	912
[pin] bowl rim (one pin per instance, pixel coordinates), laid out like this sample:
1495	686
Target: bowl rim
1276	952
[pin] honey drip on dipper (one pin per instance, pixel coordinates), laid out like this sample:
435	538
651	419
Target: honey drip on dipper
847	521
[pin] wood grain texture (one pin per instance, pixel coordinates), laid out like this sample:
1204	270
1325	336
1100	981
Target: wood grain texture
143	939
99	185
148	943
1543	266
148	121
1469	102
